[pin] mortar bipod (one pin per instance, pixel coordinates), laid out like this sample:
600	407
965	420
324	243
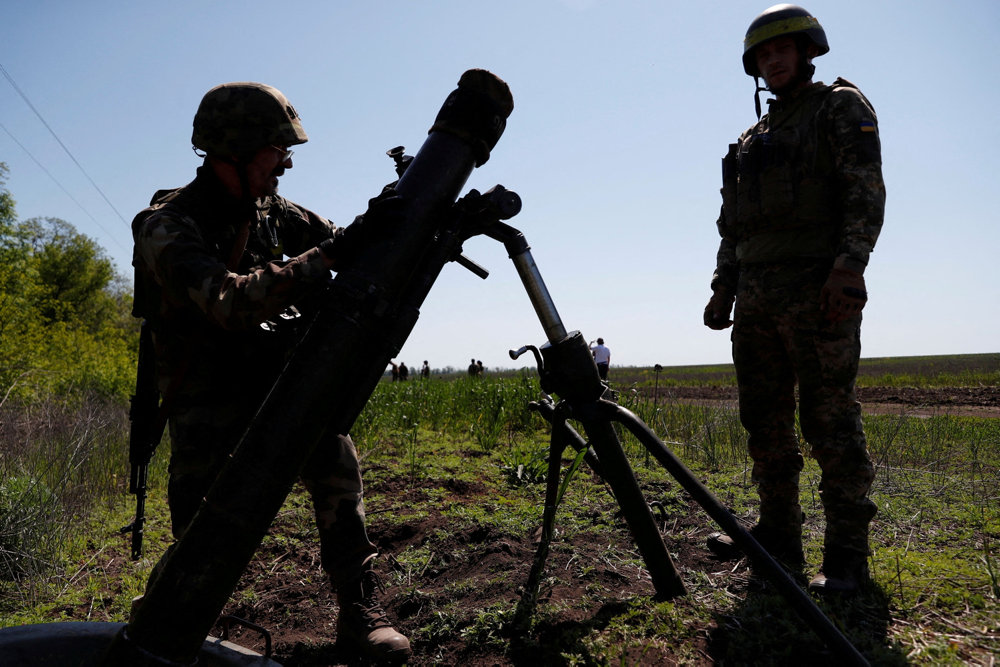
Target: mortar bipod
567	368
763	562
609	459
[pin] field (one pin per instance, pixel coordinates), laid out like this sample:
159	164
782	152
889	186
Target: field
454	474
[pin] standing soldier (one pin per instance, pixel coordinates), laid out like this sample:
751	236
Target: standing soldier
803	202
222	266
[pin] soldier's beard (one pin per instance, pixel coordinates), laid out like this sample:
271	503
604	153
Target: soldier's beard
278	172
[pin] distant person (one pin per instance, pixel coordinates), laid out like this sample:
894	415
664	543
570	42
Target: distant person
395	371
802	207
480	369
425	370
404	372
473	368
602	357
215	261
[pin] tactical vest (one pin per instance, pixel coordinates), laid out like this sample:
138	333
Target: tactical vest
263	245
193	355
779	192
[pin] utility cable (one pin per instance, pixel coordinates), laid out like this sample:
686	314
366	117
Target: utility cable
61	187
10	79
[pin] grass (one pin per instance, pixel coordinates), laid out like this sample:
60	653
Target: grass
936	539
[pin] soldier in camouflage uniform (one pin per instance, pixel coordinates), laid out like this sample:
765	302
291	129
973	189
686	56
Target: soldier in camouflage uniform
803	202
214	280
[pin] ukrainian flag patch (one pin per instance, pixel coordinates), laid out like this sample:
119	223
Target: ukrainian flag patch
867	126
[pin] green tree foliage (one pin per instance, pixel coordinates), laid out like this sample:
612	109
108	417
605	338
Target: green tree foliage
65	320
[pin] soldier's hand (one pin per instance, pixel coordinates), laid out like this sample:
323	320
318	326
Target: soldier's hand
383	212
844	294
718	310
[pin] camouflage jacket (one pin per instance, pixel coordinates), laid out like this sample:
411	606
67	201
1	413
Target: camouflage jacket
803	183
206	299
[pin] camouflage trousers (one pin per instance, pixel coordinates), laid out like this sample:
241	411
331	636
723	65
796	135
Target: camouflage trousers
780	339
201	440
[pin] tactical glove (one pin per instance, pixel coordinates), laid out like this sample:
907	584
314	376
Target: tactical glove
339	247
347	242
844	294
718	310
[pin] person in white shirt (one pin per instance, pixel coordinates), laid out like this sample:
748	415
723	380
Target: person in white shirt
602	356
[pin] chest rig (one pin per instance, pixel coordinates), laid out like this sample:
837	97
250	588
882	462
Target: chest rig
779	188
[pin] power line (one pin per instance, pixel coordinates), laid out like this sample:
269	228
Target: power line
56	181
10	79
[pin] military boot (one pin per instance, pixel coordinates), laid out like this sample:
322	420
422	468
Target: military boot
844	572
362	625
845	546
783	546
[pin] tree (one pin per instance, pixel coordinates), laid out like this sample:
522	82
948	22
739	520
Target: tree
65	313
7	213
16	279
73	274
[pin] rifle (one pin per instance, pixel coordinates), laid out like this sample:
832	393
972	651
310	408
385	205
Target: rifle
147	421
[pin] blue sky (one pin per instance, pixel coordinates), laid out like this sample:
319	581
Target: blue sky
623	111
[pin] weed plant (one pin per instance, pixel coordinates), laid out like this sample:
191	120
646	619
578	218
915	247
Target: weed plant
61	462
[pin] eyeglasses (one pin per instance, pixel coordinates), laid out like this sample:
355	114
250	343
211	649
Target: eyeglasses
286	154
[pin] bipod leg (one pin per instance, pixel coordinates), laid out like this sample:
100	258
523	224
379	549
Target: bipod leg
762	560
620	477
529	597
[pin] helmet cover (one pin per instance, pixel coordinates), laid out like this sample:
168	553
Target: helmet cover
241	118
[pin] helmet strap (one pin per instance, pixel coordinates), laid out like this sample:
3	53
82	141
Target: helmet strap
805	69
808	69
804	74
756	96
240	165
241	171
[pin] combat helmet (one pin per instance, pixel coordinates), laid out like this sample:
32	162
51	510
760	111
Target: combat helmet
241	118
777	21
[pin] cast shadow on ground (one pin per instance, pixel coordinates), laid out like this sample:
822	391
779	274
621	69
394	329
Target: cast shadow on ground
763	629
550	640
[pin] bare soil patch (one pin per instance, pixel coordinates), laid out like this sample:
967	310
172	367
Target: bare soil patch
912	401
477	568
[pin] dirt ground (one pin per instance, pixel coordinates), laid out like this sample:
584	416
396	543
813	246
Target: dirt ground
911	401
301	614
